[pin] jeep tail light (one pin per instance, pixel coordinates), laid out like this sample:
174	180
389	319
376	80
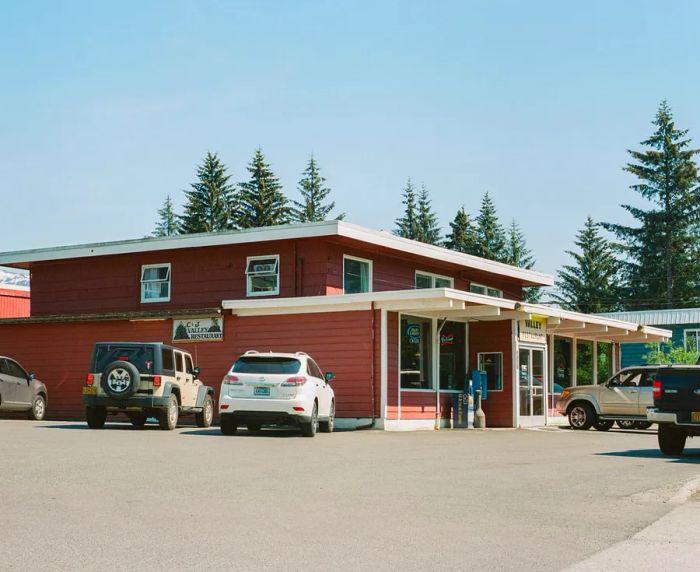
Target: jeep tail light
657	388
231	379
90	379
156	381
294	381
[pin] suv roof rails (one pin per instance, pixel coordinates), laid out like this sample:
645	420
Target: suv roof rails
249	352
301	354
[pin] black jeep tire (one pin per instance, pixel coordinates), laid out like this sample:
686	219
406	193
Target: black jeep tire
125	379
205	417
603	425
642	425
137	418
38	410
671	439
253	426
167	417
582	416
96	417
229	425
626	424
329	425
309	429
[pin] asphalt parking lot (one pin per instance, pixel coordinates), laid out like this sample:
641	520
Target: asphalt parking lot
122	498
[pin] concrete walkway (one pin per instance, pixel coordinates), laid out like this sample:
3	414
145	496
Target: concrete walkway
671	543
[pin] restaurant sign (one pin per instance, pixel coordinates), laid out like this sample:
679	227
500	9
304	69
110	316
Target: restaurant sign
533	330
198	330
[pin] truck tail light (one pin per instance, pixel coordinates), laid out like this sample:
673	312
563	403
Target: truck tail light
156	381
294	381
90	379
657	388
230	379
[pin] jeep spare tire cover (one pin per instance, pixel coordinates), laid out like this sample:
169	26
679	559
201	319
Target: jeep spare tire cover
120	379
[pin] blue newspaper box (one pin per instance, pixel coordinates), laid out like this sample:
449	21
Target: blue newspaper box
479	382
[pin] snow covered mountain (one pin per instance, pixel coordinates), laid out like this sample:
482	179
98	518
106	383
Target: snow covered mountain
13	278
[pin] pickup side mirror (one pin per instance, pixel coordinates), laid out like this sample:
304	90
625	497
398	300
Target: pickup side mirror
330	376
31	376
195	372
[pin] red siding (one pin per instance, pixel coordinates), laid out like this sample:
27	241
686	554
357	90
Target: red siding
14	303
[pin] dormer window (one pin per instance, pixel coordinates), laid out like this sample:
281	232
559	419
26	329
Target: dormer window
155	283
263	275
428	280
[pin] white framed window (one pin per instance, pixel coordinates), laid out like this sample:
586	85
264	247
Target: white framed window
692	340
263	275
485	290
357	275
492	364
155	283
430	280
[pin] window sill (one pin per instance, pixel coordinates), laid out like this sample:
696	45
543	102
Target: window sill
155	300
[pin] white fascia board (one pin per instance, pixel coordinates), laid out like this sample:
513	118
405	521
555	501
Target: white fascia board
388	240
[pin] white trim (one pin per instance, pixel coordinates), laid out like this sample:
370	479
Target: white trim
515	367
249	276
144	267
478	357
433	276
384	361
282	232
370	278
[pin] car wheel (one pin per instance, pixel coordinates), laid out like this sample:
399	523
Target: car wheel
671	439
309	429
327	426
95	417
38	409
253	426
603	425
168	415
229	425
206	415
643	425
137	418
582	416
626	424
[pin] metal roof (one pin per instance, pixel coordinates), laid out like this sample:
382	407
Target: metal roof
671	317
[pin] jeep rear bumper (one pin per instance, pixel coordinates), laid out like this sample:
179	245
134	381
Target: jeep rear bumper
130	403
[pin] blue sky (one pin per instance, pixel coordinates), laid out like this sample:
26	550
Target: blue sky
105	109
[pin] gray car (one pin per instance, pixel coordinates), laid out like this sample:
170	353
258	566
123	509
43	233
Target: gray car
21	391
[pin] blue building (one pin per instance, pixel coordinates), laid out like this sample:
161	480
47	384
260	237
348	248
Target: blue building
683	322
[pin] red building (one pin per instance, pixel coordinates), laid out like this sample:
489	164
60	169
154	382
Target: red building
399	322
14	301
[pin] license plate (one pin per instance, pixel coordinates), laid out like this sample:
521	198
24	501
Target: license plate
695	416
90	390
261	391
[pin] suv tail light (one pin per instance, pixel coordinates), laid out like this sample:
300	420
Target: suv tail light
657	388
294	381
230	379
90	379
156	381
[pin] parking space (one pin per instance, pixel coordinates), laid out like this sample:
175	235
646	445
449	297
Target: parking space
123	498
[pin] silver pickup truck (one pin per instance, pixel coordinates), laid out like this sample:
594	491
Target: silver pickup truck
624	399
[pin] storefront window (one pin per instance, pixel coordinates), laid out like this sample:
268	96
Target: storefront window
416	352
453	357
605	362
584	362
563	351
492	364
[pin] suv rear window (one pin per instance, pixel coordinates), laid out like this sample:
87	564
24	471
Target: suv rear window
140	356
269	365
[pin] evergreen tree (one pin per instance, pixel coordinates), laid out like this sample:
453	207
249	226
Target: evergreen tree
491	238
463	236
661	263
407	225
262	202
167	220
211	201
592	284
518	254
427	222
313	193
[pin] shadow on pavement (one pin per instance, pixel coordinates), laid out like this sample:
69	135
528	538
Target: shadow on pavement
692	457
276	433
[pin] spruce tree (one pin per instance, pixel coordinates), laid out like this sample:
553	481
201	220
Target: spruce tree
427	221
661	251
262	202
518	254
491	238
167	220
407	225
592	283
313	193
211	201
463	236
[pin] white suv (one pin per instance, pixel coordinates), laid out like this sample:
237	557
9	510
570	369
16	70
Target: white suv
276	389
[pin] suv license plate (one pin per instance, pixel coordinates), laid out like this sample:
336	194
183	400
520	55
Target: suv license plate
695	416
90	390
261	391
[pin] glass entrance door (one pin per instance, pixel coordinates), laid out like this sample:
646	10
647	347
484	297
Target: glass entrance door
532	385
